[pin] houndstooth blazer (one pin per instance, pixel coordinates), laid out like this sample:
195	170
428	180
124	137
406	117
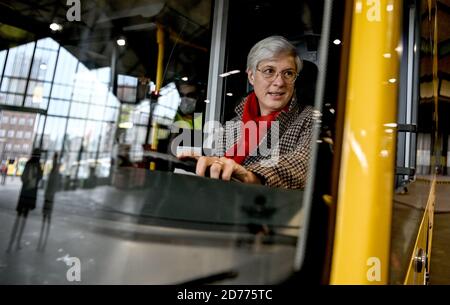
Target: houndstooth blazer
283	154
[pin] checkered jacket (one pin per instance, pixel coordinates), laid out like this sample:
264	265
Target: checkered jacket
283	154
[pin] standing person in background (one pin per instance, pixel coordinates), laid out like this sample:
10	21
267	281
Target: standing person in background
189	116
4	171
53	185
31	176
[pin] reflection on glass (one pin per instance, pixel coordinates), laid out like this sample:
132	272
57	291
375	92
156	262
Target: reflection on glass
79	110
58	107
2	60
53	137
62	91
66	68
74	134
167	105
13	85
14	100
19	60
127	88
71	81
43	64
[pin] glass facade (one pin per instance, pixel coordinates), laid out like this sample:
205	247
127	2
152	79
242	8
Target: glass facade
80	110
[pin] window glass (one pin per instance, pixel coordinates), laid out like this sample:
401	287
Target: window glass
127	88
14	99
79	110
58	107
111	114
54	133
14	85
92	135
2	60
62	91
47	44
43	64
19	61
39	89
74	136
107	140
36	100
66	68
96	112
107	106
25	148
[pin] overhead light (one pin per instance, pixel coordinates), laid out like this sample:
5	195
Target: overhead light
387	55
337	42
207	101
392	80
230	94
358	7
37	94
43	67
126	125
390	7
229	73
185	79
140	27
121	42
55	27
390	125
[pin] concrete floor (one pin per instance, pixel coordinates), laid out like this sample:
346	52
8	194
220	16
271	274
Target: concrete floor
411	205
440	263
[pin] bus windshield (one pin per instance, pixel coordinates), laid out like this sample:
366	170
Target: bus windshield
122	89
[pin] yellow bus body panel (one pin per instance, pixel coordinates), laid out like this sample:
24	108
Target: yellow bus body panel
423	242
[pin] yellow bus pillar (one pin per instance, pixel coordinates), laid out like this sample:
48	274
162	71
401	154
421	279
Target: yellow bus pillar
159	80
364	203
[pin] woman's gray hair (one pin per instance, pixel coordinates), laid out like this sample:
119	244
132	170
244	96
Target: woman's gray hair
269	48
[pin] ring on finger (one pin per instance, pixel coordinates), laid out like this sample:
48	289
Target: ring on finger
218	162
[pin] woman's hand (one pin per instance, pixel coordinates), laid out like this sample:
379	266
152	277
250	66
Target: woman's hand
221	168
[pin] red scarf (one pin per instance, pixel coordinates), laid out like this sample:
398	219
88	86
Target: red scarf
242	149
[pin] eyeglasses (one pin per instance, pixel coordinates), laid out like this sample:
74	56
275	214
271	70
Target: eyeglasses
270	74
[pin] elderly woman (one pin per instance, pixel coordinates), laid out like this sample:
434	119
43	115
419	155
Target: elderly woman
272	68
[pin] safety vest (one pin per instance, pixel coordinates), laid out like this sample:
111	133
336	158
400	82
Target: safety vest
189	122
